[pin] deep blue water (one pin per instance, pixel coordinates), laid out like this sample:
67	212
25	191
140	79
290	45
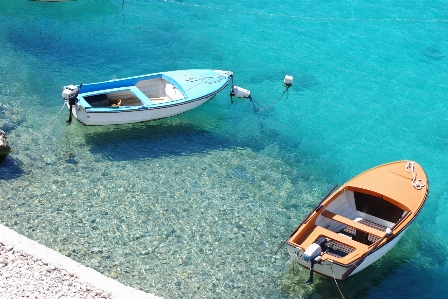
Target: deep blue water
194	206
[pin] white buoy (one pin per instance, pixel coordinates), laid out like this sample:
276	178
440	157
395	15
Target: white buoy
239	92
288	80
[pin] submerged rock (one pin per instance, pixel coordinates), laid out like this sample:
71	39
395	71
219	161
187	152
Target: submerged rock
4	147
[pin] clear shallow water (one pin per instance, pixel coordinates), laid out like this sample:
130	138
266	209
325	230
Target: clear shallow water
194	206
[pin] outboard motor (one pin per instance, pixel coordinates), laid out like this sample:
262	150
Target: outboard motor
311	254
70	94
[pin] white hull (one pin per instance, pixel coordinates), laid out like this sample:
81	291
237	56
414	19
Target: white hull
132	116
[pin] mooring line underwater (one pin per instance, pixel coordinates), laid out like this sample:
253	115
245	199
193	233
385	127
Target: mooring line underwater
309	17
27	140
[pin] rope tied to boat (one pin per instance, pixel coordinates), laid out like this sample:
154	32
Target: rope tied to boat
417	183
41	130
331	267
264	108
255	105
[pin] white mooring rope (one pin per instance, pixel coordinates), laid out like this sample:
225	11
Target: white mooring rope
417	183
331	267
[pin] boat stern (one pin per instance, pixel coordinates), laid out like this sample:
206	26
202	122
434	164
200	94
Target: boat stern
325	267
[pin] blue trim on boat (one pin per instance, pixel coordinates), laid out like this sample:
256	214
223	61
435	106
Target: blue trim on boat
188	87
141	96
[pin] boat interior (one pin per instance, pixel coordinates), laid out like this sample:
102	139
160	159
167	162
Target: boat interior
353	221
145	92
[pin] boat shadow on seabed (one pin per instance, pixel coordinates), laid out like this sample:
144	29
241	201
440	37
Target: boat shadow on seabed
9	167
152	141
404	257
165	138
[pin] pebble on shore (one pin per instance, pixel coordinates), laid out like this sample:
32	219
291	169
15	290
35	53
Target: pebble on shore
24	276
31	270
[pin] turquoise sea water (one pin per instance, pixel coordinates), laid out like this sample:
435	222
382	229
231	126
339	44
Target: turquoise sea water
195	205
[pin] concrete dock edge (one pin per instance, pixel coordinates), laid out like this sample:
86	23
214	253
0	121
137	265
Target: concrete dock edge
85	274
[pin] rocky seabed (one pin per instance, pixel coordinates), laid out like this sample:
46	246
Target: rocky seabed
24	276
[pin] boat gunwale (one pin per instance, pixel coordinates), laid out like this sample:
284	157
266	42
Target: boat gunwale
152	107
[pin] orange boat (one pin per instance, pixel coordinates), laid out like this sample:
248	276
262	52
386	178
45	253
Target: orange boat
360	222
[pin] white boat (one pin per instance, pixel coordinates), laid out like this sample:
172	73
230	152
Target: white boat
361	221
143	98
